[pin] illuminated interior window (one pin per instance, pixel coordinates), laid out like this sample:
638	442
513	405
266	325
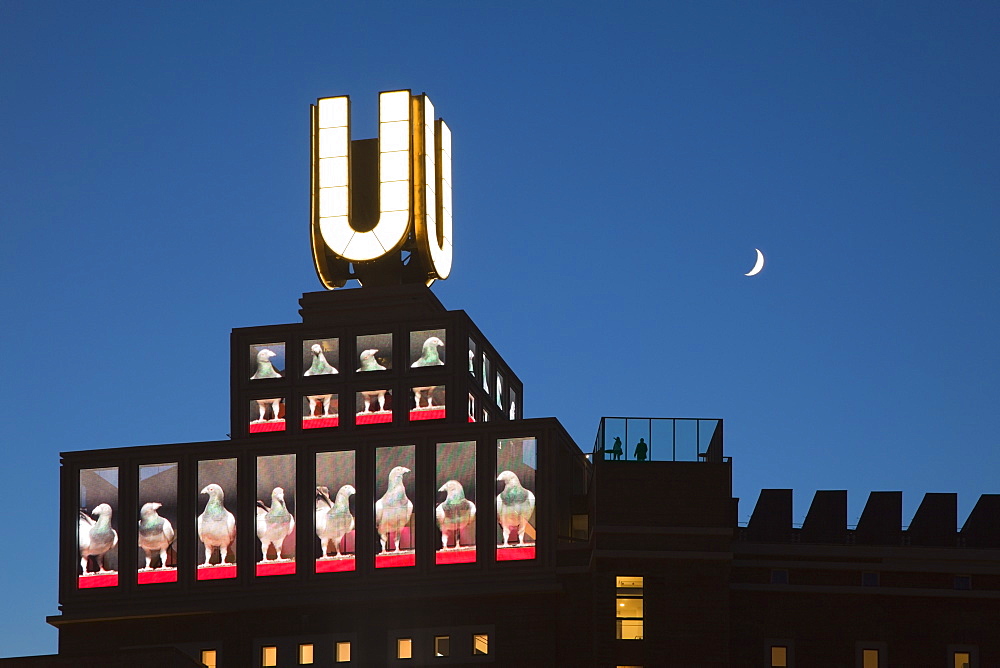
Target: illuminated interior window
209	658
628	607
268	656
441	645
404	648
869	658
481	643
962	660
779	656
306	654
343	652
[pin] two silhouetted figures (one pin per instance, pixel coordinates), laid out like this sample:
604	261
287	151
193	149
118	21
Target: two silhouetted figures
616	451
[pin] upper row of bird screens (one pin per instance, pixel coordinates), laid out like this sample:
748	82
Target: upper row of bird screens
373	352
457	506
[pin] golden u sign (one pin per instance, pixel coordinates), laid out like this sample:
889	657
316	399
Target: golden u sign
381	206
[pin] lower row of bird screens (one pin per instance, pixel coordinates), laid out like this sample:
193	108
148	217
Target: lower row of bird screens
279	513
322	357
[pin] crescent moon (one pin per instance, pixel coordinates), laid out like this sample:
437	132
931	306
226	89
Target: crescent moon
757	267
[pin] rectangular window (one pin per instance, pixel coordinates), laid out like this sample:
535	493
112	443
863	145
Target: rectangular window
427	402
963	582
472	357
779	576
628	607
374	352
779	656
455	506
267	360
267	414
275	515
395	476
335	511
498	397
427	348
216	524
320	410
404	648
343	652
481	643
320	357
157	552
870	579
209	658
962	660
305	654
373	406
269	656
487	374
98	528
441	645
869	658
513	411
517	463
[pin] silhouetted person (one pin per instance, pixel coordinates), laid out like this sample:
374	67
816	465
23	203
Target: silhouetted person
640	450
616	449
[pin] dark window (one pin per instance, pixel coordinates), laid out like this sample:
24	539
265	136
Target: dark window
869	579
963	582
779	576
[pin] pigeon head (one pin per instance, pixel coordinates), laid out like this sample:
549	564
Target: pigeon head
368	354
451	486
102	509
347	489
212	490
279	494
509	478
397	472
322	491
265	355
433	341
149	509
316	349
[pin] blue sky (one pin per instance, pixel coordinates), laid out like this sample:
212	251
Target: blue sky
615	165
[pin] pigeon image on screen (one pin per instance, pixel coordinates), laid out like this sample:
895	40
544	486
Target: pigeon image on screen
268	359
216	525
156	534
274	524
374	352
320	366
430	352
97	537
333	518
515	506
393	510
455	513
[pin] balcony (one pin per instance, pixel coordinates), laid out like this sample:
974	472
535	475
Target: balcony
644	439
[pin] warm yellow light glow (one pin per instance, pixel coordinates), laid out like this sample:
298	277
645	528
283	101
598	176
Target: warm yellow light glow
343	652
779	656
626	581
962	660
269	656
209	658
394	106
305	655
404	648
333	112
869	658
481	643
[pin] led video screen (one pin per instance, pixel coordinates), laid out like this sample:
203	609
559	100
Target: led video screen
487	372
427	403
395	482
320	357
267	360
472	408
455	507
336	497
512	410
517	463
320	410
373	406
472	357
374	352
498	397
275	515
216	521
427	348
267	415
157	556
98	528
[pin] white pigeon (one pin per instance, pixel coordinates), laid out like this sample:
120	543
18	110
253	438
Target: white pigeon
216	525
320	367
368	361
429	355
97	537
333	517
274	524
155	534
454	513
393	510
515	505
264	367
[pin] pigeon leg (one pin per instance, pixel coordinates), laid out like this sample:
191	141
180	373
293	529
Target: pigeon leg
223	553
163	558
520	535
276	409
397	534
368	403
326	405
83	564
416	398
382	539
381	402
444	540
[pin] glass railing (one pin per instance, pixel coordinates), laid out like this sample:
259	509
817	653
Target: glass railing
642	439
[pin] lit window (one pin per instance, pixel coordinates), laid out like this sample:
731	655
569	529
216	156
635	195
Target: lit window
269	656
779	656
628	607
404	648
869	658
481	643
963	582
305	655
343	652
441	645
779	576
869	579
962	660
209	658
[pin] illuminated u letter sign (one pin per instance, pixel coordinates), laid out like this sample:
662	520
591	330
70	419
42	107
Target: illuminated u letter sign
371	202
